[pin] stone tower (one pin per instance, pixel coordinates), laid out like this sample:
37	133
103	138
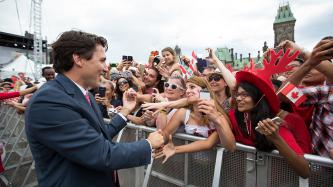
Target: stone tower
284	25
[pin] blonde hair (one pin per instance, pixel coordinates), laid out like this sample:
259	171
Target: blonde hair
203	83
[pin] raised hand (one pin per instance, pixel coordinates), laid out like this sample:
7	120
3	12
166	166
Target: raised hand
129	102
322	51
100	100
208	108
157	97
163	71
287	44
212	56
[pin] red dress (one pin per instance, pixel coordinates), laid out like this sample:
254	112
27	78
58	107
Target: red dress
293	131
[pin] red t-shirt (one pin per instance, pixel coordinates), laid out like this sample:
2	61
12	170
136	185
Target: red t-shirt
293	131
305	111
7	95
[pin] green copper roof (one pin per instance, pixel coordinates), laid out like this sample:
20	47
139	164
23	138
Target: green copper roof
223	54
284	14
238	65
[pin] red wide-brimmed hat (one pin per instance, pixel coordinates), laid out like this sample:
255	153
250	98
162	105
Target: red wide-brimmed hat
261	78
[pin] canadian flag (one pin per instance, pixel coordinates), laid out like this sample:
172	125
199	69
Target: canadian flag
194	58
294	94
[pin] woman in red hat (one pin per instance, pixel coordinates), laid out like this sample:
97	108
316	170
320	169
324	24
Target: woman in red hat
256	105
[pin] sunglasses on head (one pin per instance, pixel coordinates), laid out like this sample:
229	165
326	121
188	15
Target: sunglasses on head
215	78
171	85
122	82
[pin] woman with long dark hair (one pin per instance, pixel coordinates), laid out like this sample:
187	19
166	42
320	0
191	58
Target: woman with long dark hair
122	85
256	105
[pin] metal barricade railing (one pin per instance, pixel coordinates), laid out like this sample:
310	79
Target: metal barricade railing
18	158
216	167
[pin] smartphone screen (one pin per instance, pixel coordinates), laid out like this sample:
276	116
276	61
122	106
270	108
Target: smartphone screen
130	58
204	95
125	58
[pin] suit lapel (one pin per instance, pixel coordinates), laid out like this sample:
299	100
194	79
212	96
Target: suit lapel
94	119
89	112
97	111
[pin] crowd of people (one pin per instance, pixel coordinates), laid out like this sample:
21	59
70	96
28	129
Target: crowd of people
245	106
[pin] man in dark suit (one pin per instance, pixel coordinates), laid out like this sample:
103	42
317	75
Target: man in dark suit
71	144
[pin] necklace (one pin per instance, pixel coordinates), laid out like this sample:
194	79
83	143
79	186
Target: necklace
248	124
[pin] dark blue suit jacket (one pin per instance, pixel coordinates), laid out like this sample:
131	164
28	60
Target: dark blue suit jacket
71	144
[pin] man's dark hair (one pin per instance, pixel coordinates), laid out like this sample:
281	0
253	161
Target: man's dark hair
74	42
45	68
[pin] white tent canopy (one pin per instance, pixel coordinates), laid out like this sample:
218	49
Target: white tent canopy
20	64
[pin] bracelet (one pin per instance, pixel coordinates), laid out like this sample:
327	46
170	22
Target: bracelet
163	111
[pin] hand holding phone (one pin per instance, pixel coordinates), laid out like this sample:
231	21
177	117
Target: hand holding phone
277	120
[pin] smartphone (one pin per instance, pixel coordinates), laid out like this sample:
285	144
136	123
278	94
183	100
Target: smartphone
156	61
125	58
204	95
201	64
277	120
130	58
101	91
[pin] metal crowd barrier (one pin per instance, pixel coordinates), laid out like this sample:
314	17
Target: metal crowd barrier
18	161
216	167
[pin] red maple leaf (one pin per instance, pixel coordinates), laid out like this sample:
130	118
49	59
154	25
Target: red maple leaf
294	95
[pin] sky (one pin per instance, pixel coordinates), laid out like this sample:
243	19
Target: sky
136	27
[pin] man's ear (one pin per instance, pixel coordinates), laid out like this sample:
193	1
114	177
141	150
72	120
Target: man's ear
77	60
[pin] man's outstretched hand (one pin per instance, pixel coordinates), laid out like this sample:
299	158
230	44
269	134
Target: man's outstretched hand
156	139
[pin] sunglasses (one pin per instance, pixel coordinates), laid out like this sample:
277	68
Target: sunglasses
171	85
122	83
215	78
